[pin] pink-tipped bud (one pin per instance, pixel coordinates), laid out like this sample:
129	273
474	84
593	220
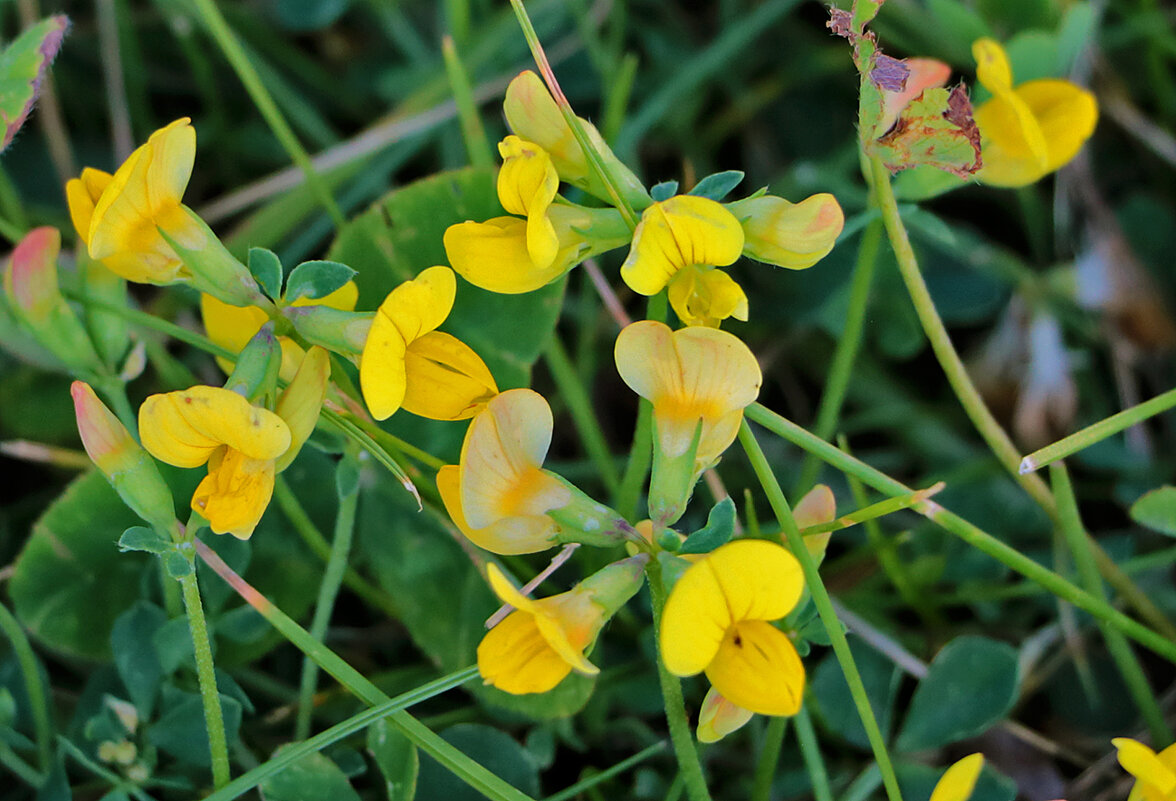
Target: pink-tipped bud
31	278
128	468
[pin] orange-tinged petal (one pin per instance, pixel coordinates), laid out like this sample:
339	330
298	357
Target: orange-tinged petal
183	428
446	379
740	581
922	73
234	494
516	658
677	232
515	535
959	780
791	235
757	668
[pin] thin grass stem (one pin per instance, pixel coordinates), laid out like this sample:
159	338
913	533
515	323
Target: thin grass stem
769	758
472	131
810	751
34	687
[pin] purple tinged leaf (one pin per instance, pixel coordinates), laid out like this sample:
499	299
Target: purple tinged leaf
23	65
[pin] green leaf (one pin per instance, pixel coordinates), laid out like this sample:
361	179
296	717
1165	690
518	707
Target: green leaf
133	643
720	525
266	267
718	185
935	129
957	26
141	538
70	581
1157	510
23	65
402	234
316	279
397	759
177	565
663	191
834	704
314	777
180	731
494	749
970	686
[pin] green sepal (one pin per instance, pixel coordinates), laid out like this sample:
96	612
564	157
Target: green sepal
141	538
265	266
663	191
672	480
717	185
336	330
316	279
587	521
719	528
667	539
255	373
672	568
142	488
215	271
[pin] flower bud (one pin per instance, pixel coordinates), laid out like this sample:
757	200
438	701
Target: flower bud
128	468
256	370
336	330
792	235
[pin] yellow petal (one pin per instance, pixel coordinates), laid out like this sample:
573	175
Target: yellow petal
959	780
183	428
82	194
382	371
1066	113
740	581
1143	763
992	65
674	233
231	327
446	379
706	297
1013	147
302	400
689	375
718	717
420	305
515	535
234	494
527	184
495	256
173	153
343	298
791	235
515	657
501	457
757	668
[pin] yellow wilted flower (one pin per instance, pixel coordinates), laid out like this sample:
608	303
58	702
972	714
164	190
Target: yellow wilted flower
676	240
718	717
232	327
699	380
407	363
1030	130
117	215
244	445
1155	774
500	497
958	781
536	646
716	620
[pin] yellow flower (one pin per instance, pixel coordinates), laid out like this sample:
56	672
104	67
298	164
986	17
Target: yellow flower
716	620
244	445
792	235
718	717
1032	129
698	380
407	363
500	497
536	646
958	781
118	216
706	297
684	231
527	184
232	327
1155	774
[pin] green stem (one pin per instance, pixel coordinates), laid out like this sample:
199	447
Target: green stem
247	73
769	758
206	674
457	763
821	600
811	752
1098	431
957	376
580	406
574	790
969	533
328	592
19	768
293	753
688	763
291	507
594	159
477	145
34	687
641	451
1129	667
841	370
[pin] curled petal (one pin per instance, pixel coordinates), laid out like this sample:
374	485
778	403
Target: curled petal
706	297
1155	772
234	494
82	194
184	428
446	379
302	401
495	254
547	619
757	668
514	657
744	580
527	184
959	780
678	232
